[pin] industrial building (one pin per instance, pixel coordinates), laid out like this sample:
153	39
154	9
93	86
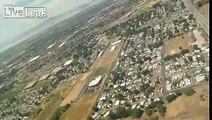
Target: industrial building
100	54
68	62
95	82
112	48
114	43
44	77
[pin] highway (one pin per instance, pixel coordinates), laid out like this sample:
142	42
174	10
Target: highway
199	17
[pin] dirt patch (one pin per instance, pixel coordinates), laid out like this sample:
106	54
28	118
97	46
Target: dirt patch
199	39
76	89
175	45
95	64
110	57
81	109
195	107
205	10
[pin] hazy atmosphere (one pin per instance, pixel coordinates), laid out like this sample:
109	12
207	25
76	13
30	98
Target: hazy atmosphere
12	28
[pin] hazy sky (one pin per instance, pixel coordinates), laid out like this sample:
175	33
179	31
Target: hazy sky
11	28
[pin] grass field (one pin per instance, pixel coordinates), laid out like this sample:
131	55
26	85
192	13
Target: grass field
205	11
81	109
173	45
101	70
16	90
195	107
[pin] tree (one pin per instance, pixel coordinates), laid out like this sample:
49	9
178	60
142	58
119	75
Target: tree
200	59
145	72
95	109
148	111
127	104
196	47
90	118
183	52
188	91
124	88
186	25
182	5
121	112
178	93
161	109
59	111
191	17
171	97
136	92
120	96
190	58
144	87
113	116
135	112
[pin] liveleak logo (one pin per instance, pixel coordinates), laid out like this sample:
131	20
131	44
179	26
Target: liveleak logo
14	12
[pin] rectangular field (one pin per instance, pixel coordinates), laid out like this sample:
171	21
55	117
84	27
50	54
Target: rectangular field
81	109
175	45
76	89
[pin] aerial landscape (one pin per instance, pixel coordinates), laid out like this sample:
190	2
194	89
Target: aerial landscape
113	60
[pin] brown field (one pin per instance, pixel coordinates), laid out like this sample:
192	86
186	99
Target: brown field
81	109
110	57
145	117
107	59
173	45
71	92
205	11
51	103
190	107
76	89
95	64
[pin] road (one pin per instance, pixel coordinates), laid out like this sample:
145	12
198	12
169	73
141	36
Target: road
202	21
163	74
103	84
166	19
157	96
199	17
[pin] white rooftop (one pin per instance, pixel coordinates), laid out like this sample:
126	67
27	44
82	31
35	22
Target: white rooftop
35	58
50	46
95	82
200	78
61	44
44	77
68	62
112	48
114	43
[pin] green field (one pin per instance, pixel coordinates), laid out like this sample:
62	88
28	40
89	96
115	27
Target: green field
13	92
101	71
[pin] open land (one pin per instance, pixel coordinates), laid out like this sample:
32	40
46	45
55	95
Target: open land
195	107
173	45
